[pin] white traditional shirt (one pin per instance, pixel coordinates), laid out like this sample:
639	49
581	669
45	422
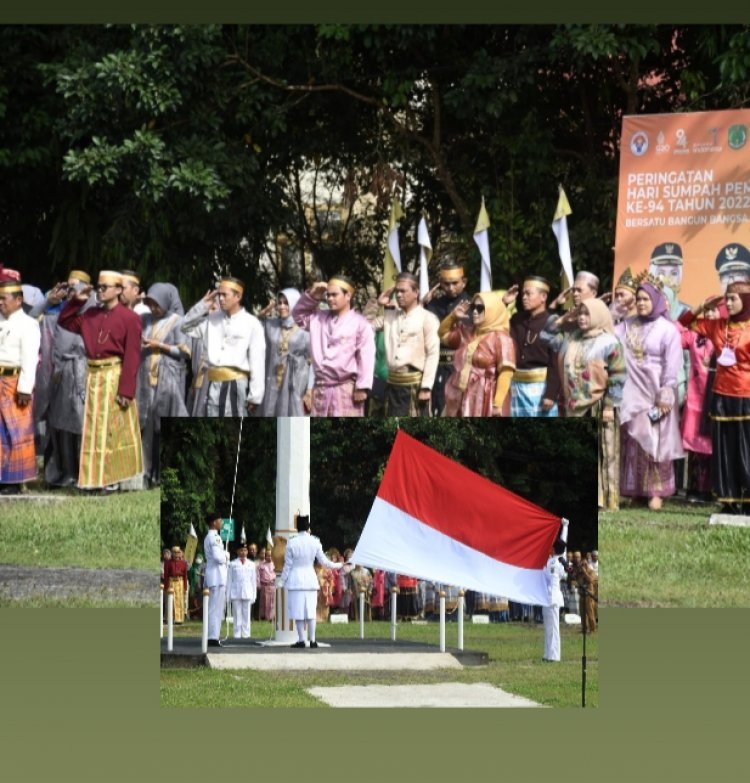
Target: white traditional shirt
236	341
301	552
411	340
242	580
20	337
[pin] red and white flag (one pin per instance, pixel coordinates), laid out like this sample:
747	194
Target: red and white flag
437	520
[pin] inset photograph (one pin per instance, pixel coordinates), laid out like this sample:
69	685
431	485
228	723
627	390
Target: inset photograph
379	562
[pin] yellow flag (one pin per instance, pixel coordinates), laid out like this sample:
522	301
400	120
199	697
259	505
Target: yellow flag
392	262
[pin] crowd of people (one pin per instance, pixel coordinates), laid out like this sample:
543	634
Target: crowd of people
87	372
251	577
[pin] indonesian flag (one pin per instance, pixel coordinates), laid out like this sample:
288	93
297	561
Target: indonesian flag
436	520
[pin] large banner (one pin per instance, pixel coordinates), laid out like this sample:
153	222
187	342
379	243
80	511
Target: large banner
684	199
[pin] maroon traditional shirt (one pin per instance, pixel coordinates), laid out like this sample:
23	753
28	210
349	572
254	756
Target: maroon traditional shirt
106	334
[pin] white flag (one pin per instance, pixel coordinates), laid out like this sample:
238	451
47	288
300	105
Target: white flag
393	245
269	538
560	229
425	254
482	238
243	537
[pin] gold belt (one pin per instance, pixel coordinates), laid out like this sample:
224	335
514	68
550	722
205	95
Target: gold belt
222	374
110	361
404	378
4	370
537	375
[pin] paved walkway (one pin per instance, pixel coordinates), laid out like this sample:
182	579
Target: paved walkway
447	694
23	583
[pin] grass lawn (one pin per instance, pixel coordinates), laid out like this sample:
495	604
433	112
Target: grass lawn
673	558
515	665
117	532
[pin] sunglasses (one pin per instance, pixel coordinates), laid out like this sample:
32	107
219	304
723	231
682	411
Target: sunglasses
477	308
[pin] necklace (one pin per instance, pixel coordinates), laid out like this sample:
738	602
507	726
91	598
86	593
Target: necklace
635	339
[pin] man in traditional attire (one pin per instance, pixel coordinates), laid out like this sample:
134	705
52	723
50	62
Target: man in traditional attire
19	355
535	386
242	591
412	349
301	581
131	295
111	438
342	347
452	283
67	389
235	348
215	578
176	577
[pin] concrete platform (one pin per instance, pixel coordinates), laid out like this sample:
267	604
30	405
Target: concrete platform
446	694
337	655
734	520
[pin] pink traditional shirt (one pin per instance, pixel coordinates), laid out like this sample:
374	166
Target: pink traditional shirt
342	347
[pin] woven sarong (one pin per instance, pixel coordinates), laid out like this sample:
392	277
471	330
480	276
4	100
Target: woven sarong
111	439
336	401
17	452
526	399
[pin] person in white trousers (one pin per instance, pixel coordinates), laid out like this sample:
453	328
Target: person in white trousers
242	591
301	581
554	571
215	578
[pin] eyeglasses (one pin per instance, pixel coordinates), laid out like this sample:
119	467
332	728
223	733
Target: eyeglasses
104	286
477	308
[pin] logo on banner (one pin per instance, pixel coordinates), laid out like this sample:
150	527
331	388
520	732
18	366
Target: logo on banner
660	145
737	136
639	143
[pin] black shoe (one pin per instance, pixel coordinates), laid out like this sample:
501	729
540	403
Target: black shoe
214	643
297	644
313	645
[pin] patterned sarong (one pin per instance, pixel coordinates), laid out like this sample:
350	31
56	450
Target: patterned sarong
336	401
526	397
17	452
111	439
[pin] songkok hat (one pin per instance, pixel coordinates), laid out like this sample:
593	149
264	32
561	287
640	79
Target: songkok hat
234	283
344	283
130	276
626	281
176	549
108	277
449	272
10	281
733	258
667	253
538	282
84	277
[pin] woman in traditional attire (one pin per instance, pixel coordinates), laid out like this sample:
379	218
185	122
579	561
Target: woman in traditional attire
176	578
695	425
592	369
484	358
377	599
730	402
266	587
325	580
406	602
289	375
649	416
361	579
163	371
